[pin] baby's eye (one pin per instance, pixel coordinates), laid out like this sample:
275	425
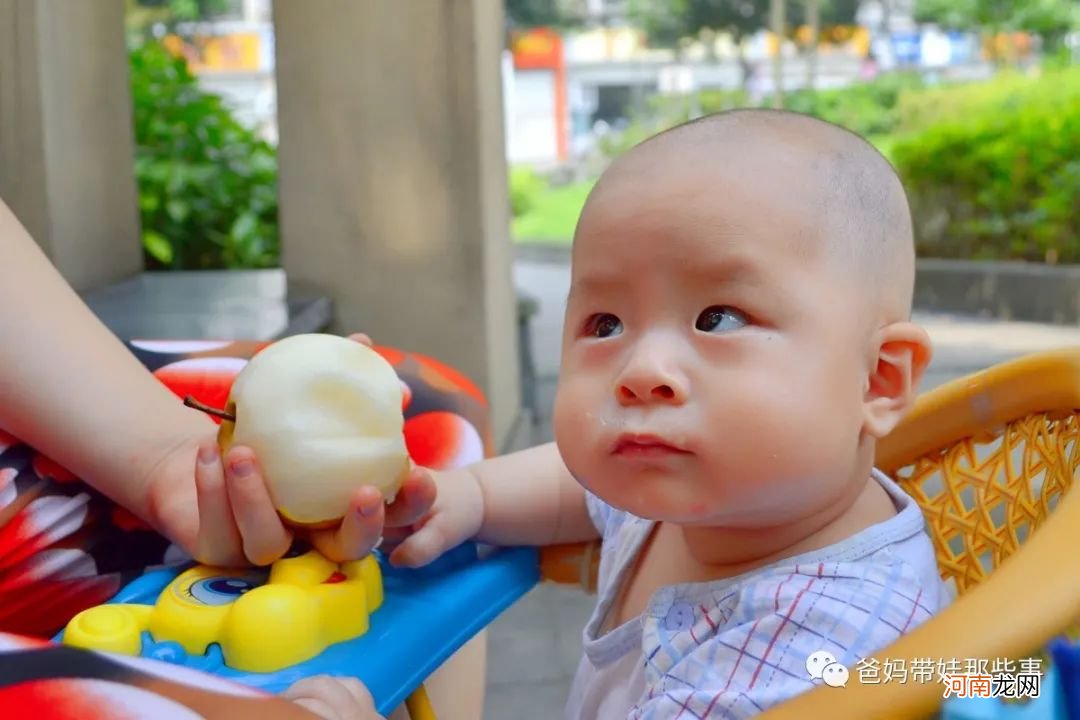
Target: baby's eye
603	325
720	317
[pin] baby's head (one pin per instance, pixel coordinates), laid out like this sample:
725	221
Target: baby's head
738	327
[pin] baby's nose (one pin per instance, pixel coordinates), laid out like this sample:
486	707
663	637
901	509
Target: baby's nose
628	393
651	385
653	373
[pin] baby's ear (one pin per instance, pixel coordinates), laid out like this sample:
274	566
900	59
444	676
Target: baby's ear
903	354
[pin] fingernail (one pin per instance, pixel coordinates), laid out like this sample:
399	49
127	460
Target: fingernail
242	468
368	510
208	454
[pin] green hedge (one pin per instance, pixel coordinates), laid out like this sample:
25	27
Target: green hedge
525	186
871	108
207	184
994	170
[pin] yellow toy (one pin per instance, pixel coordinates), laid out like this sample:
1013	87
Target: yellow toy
262	621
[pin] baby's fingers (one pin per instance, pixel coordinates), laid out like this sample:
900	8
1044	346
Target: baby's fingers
359	531
361	338
414	499
427	543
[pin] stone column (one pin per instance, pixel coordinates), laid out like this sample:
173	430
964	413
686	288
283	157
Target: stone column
393	179
66	144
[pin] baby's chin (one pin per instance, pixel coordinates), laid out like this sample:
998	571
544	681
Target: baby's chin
687	514
661	504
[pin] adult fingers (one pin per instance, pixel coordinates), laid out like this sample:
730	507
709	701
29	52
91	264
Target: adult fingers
359	531
264	537
218	541
332	698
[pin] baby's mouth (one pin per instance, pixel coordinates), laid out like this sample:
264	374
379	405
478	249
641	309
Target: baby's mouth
640	445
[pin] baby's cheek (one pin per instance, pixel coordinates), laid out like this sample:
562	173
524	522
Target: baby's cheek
576	425
761	434
571	441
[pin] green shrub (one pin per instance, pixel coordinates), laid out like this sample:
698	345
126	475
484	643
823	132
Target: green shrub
554	217
618	143
525	186
956	102
869	108
714	101
996	174
658	113
207	184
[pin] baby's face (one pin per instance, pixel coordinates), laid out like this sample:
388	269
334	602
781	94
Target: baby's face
714	361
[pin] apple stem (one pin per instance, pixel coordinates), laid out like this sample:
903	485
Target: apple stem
191	402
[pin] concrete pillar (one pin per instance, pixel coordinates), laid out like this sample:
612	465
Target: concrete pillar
393	179
66	145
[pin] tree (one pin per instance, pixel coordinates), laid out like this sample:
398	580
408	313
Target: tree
669	22
523	14
813	19
141	16
777	23
949	14
1050	19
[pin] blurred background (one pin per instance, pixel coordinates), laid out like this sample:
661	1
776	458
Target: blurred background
414	169
584	80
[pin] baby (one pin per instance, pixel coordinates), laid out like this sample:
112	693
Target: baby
737	338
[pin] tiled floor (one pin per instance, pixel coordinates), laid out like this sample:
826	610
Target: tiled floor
534	646
534	650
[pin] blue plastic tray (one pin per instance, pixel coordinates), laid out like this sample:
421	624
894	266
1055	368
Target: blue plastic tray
1059	693
427	615
1049	705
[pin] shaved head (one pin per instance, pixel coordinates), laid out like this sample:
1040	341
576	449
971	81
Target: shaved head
850	202
741	287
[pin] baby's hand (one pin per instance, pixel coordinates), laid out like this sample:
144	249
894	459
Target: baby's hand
333	698
456	516
413	538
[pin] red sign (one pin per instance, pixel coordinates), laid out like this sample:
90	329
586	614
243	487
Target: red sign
537	49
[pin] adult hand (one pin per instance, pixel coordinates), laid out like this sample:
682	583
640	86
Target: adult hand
221	512
333	698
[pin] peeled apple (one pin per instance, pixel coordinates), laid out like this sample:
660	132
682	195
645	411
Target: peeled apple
323	415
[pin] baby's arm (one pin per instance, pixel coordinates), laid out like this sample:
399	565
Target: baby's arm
524	498
530	498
